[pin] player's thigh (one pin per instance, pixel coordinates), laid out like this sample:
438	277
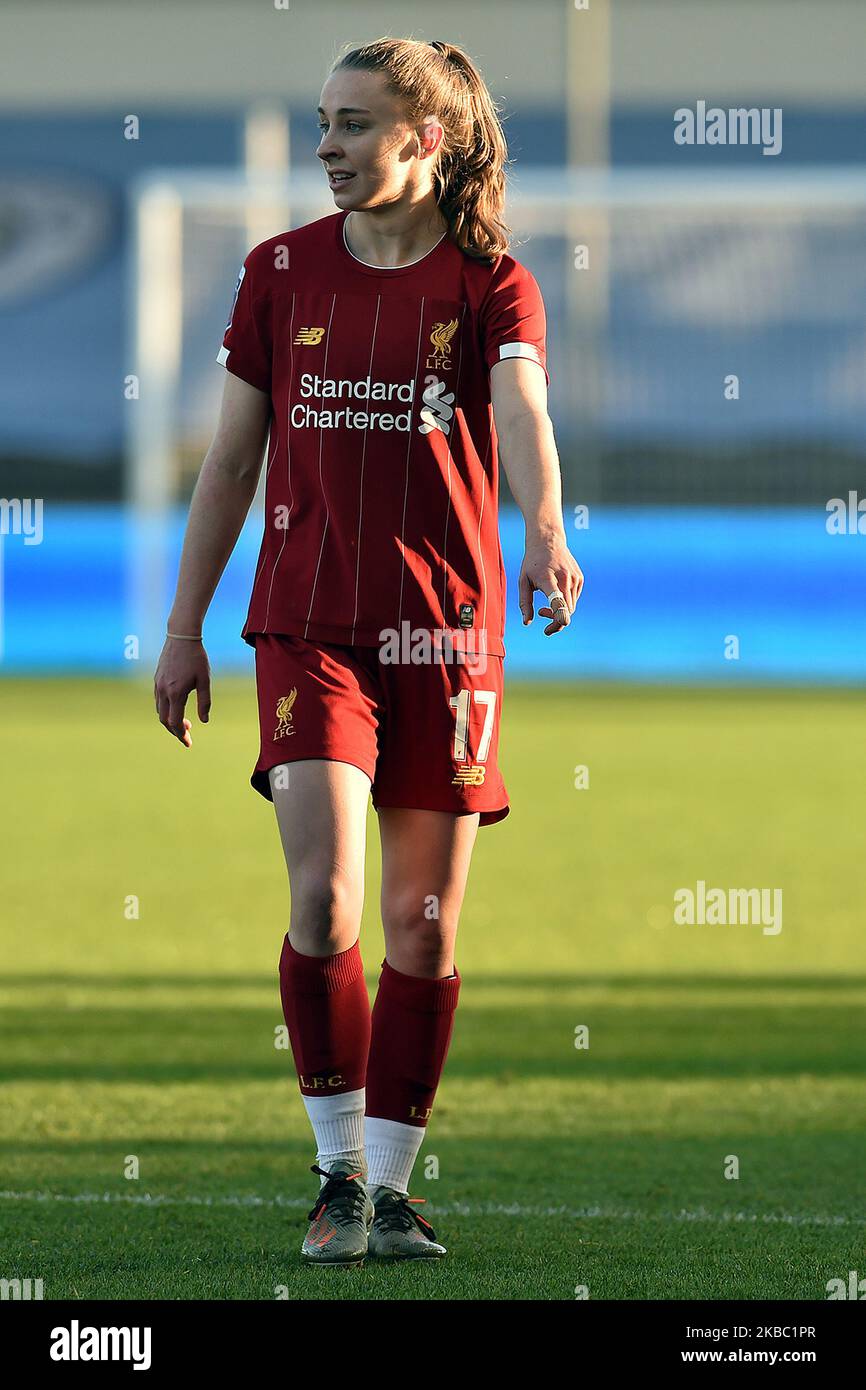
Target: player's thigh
426	857
321	807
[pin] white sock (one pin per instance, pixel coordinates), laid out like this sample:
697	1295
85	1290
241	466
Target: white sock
338	1124
391	1148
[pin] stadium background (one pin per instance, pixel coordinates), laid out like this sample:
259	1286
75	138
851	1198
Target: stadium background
150	1033
774	292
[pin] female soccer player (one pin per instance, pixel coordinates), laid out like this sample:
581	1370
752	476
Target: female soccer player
390	350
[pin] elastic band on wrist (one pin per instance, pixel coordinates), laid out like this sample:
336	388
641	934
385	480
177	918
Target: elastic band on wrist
182	637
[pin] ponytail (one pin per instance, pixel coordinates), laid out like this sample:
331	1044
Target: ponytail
469	176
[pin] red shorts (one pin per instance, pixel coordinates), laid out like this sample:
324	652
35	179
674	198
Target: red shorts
427	736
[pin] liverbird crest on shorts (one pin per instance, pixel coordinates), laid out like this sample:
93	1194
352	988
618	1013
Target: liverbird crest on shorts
284	714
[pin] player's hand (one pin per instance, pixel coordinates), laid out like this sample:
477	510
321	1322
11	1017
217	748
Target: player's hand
548	565
182	668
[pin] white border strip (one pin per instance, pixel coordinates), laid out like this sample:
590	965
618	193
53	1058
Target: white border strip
147	1199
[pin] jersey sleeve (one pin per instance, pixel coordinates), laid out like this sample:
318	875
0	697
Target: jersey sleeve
513	321
247	341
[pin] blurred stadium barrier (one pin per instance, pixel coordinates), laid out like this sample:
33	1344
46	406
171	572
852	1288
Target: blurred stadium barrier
659	286
689	277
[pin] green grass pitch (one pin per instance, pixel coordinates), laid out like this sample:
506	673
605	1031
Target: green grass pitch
546	1168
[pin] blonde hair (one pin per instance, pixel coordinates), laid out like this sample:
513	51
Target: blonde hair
469	175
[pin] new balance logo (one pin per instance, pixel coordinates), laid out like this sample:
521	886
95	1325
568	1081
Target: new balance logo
469	776
309	337
437	408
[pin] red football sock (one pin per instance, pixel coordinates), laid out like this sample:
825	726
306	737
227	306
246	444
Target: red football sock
413	1019
327	1013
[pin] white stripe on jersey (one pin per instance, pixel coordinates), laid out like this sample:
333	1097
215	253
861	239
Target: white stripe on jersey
274	454
321	481
267	475
480	550
448	437
363	459
406	490
288	457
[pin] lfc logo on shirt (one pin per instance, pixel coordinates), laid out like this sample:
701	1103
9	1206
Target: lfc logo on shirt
284	714
440	341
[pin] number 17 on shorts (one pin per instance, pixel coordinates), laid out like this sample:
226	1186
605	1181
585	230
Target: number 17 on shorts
441	741
470	772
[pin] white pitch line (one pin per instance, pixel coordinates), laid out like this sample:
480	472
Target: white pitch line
146	1199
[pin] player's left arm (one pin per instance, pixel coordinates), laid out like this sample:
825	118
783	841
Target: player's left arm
527	451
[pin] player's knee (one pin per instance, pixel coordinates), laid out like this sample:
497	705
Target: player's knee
419	934
325	907
425	957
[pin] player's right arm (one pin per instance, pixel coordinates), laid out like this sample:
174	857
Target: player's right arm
223	493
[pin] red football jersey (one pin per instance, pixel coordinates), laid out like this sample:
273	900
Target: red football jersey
382	472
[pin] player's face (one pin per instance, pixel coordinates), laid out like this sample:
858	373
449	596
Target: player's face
364	134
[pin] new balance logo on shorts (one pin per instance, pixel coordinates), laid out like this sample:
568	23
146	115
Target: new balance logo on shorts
472	776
